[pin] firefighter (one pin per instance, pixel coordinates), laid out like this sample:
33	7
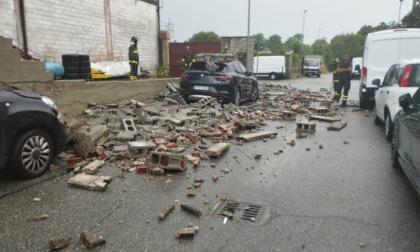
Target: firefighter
336	97
187	58
133	58
344	71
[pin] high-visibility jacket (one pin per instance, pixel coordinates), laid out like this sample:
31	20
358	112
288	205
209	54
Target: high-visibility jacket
336	76
187	59
133	54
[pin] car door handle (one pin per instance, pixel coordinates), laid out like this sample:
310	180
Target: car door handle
387	92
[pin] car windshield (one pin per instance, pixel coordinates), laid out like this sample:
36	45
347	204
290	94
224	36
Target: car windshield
201	66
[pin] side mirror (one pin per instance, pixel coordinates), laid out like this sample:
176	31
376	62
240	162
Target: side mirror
376	82
405	101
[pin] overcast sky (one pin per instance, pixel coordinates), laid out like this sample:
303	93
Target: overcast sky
324	18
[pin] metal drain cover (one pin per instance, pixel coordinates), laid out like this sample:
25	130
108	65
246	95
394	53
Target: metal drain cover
252	212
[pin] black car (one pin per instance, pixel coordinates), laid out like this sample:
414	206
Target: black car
229	82
32	132
406	140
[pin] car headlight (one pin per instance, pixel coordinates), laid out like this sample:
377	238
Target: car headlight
49	102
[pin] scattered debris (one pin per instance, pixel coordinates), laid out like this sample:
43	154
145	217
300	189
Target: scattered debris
59	243
166	212
324	118
346	142
37	217
36	199
255	136
191	210
91	182
91	240
93	167
187	232
217	149
337	126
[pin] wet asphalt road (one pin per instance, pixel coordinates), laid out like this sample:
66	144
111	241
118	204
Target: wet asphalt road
343	197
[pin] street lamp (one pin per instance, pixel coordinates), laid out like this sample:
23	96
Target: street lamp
399	15
247	38
303	26
319	33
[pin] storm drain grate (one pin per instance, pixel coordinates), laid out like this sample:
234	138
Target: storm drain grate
246	211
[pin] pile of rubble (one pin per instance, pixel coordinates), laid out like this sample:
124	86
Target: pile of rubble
168	134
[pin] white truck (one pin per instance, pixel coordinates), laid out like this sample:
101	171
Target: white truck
312	65
273	67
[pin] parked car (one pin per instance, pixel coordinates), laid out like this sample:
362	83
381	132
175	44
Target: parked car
402	77
381	50
32	132
406	140
229	82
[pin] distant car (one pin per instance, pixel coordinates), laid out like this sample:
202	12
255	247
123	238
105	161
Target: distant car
406	140
229	82
357	68
32	132
402	77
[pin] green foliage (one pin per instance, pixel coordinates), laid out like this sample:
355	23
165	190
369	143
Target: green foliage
321	47
274	43
204	36
162	71
413	19
351	43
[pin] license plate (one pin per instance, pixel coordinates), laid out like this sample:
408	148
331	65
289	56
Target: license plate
200	88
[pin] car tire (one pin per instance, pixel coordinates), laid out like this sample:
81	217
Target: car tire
31	154
255	92
394	153
389	126
237	97
376	120
272	76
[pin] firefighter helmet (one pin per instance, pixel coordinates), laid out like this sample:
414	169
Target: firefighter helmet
134	39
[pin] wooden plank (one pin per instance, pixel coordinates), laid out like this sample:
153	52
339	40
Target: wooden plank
337	126
256	136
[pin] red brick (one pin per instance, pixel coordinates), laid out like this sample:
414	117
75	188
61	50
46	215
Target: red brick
141	169
171	145
196	163
191	137
196	153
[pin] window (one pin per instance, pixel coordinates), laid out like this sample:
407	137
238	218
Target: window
389	76
415	76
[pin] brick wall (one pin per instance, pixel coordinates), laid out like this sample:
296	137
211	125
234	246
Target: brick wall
56	27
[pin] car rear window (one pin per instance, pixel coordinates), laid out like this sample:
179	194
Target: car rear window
415	77
201	66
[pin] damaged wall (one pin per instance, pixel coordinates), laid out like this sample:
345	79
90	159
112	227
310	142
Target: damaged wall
73	96
56	27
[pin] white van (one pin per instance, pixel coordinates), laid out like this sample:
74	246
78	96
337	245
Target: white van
273	67
381	50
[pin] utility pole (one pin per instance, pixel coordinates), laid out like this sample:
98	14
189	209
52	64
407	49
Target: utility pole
247	38
399	15
317	50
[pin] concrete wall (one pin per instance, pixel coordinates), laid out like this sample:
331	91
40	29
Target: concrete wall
236	45
73	96
56	27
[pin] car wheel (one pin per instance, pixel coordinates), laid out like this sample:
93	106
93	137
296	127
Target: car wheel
254	93
389	127
237	97
272	76
394	153
376	120
32	154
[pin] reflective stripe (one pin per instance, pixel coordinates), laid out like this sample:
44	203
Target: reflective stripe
344	98
135	51
183	60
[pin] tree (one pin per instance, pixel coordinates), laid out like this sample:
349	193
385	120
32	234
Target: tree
321	47
294	43
274	43
412	20
204	36
350	43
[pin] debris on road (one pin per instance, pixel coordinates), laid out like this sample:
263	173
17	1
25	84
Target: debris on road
93	167
91	182
256	136
187	232
191	210
166	212
323	118
36	199
91	240
337	126
217	150
37	217
59	243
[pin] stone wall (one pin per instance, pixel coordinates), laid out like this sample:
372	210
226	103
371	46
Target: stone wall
73	96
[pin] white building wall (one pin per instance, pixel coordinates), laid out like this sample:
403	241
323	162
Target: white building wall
8	20
56	27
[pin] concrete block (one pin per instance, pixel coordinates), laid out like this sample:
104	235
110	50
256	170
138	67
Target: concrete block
140	148
337	126
128	124
217	149
305	127
93	167
167	161
255	136
90	182
324	118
